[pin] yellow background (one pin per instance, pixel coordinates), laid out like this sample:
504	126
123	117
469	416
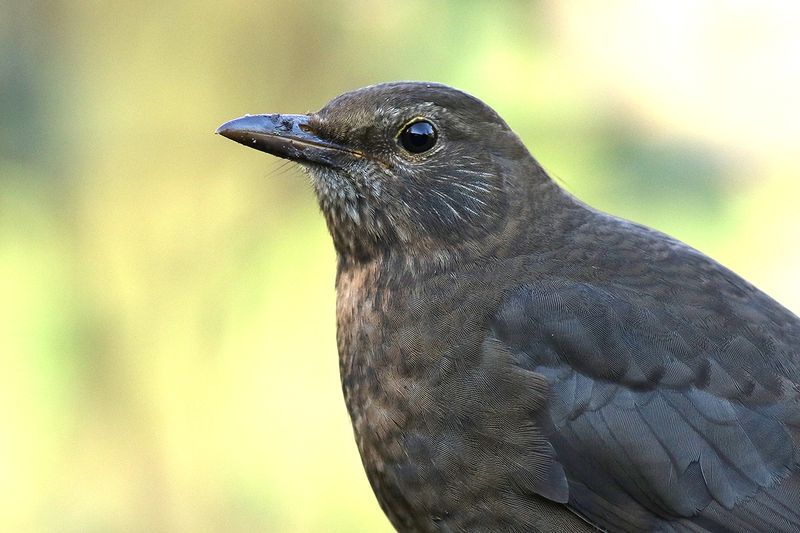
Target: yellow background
167	353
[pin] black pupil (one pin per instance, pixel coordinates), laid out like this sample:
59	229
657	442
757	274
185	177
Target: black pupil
418	137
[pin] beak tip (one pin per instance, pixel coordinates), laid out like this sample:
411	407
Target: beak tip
224	129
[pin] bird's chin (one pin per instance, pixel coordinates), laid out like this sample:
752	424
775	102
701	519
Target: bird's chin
335	191
329	183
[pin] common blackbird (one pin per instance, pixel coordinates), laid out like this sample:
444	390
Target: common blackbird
515	360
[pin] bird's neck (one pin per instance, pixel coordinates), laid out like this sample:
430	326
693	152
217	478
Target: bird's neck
540	218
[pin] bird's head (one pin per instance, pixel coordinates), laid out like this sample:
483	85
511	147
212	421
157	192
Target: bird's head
403	165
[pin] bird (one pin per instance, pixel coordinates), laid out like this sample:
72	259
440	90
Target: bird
513	359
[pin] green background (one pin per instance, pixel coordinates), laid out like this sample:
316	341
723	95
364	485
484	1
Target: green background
167	351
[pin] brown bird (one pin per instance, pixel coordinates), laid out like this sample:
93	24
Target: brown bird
515	360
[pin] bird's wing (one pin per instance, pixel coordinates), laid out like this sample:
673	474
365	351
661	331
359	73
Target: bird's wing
662	413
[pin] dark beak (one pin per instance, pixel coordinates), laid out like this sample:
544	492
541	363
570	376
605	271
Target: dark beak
286	136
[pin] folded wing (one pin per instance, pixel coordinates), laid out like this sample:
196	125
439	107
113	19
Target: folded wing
664	414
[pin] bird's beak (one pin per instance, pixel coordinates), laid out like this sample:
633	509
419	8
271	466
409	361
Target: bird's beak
286	136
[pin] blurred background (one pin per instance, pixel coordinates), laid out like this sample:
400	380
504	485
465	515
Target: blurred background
167	351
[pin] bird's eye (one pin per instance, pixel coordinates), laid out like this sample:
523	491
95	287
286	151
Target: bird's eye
418	137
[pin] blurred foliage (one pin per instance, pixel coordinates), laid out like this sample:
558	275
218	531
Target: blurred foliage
167	336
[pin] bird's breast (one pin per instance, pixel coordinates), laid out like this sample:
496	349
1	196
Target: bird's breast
444	420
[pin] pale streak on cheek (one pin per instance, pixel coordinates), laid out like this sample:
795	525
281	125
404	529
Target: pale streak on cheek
353	213
376	188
